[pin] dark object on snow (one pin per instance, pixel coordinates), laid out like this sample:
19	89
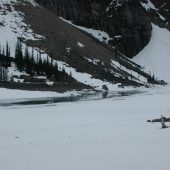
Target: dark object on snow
105	88
159	120
163	122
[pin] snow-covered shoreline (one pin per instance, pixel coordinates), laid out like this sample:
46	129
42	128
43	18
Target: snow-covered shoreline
102	134
26	94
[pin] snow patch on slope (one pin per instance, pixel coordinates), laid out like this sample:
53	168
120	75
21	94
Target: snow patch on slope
149	5
115	4
87	78
12	25
156	55
132	74
98	34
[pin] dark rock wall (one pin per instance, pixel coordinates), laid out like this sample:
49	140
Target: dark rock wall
133	25
84	12
163	6
126	18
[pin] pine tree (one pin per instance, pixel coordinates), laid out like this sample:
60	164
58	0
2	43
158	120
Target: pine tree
26	59
7	50
56	72
19	56
3	51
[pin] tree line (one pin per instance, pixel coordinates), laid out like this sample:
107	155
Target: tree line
30	63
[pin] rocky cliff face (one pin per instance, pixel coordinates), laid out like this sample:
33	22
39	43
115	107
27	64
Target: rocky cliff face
87	12
126	21
163	7
130	21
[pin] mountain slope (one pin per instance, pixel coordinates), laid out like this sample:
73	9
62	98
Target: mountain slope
125	22
155	56
128	22
86	59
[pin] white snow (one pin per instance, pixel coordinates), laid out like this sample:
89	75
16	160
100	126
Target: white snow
98	34
13	71
88	79
110	134
115	4
80	44
13	26
136	76
155	56
25	94
149	5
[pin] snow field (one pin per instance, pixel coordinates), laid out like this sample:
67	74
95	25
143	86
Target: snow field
155	56
106	134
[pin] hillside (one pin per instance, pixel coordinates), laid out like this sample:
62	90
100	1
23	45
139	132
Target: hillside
128	22
86	59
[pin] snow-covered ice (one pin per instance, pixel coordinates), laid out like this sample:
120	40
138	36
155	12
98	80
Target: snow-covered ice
104	134
25	94
93	135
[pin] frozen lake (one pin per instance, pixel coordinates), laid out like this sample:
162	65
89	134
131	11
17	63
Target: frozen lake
96	95
90	134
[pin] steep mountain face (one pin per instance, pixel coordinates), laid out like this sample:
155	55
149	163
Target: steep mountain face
128	22
88	13
163	7
86	59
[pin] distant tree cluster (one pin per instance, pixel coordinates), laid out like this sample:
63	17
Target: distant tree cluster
5	61
34	65
5	58
31	64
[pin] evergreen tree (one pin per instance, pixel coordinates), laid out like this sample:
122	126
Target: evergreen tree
19	56
56	72
7	50
3	51
26	60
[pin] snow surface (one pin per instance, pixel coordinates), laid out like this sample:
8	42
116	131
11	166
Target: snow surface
136	76
13	25
80	44
149	5
110	134
24	94
98	34
156	55
115	4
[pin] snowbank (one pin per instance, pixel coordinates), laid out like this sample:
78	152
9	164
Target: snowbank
24	94
156	55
